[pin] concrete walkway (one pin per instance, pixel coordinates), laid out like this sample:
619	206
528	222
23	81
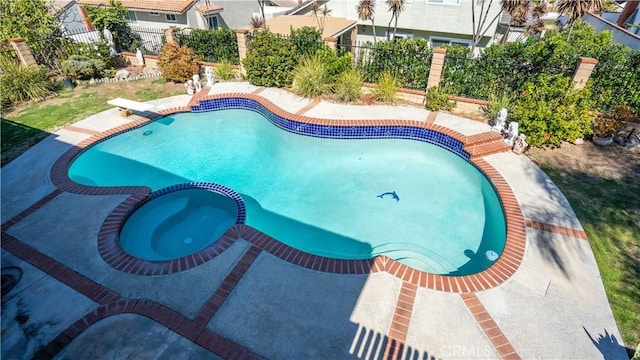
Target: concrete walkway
249	303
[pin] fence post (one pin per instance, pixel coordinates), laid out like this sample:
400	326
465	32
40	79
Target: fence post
241	36
331	42
583	71
85	19
169	35
23	51
435	72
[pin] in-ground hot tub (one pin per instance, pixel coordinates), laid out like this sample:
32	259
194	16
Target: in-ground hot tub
181	220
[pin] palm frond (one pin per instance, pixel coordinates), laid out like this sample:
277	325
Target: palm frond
366	9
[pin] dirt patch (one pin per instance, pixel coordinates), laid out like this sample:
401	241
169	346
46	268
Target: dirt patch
611	162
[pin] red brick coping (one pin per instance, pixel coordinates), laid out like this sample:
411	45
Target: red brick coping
113	254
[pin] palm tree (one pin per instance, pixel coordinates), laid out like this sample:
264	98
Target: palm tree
320	14
576	8
517	9
537	25
395	7
256	23
366	10
261	5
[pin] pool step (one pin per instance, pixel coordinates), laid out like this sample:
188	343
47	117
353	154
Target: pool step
486	143
487	148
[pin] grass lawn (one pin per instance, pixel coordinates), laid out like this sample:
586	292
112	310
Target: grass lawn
609	210
27	125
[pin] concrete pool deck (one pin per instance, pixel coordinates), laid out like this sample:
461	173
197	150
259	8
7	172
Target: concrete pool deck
247	303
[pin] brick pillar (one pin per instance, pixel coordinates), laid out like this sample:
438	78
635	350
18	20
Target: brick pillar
169	35
435	72
583	71
331	42
23	51
241	36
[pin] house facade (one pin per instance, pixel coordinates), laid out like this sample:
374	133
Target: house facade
195	14
625	25
439	21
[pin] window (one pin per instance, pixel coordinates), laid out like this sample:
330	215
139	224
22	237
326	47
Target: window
438	42
213	22
399	35
154	14
171	17
131	17
444	2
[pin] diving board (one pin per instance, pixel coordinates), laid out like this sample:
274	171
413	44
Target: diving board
127	106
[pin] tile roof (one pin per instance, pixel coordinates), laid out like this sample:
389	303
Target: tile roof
205	9
177	6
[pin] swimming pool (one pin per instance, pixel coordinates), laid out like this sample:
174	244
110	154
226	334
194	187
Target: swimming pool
320	194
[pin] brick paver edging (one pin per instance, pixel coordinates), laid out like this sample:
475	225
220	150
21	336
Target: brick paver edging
194	330
489	327
576	233
503	268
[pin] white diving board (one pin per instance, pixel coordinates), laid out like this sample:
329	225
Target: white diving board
126	106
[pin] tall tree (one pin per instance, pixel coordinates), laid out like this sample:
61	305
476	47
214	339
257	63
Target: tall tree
114	18
366	10
576	9
320	13
537	25
517	9
31	20
396	7
261	5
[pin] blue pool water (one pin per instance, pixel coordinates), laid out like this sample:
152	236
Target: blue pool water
318	195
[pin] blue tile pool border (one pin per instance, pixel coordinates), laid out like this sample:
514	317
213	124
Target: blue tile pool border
337	131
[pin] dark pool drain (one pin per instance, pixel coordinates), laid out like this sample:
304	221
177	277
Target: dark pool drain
11	276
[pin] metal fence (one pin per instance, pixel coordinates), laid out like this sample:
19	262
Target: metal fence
151	39
211	45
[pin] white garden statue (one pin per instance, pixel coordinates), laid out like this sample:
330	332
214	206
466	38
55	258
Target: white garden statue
189	86
209	74
512	133
521	145
501	121
196	82
140	57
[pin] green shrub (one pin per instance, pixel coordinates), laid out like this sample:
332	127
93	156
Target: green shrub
387	88
348	85
437	98
550	110
408	59
333	63
212	45
308	40
178	64
109	73
224	71
270	60
496	103
310	77
20	83
82	67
